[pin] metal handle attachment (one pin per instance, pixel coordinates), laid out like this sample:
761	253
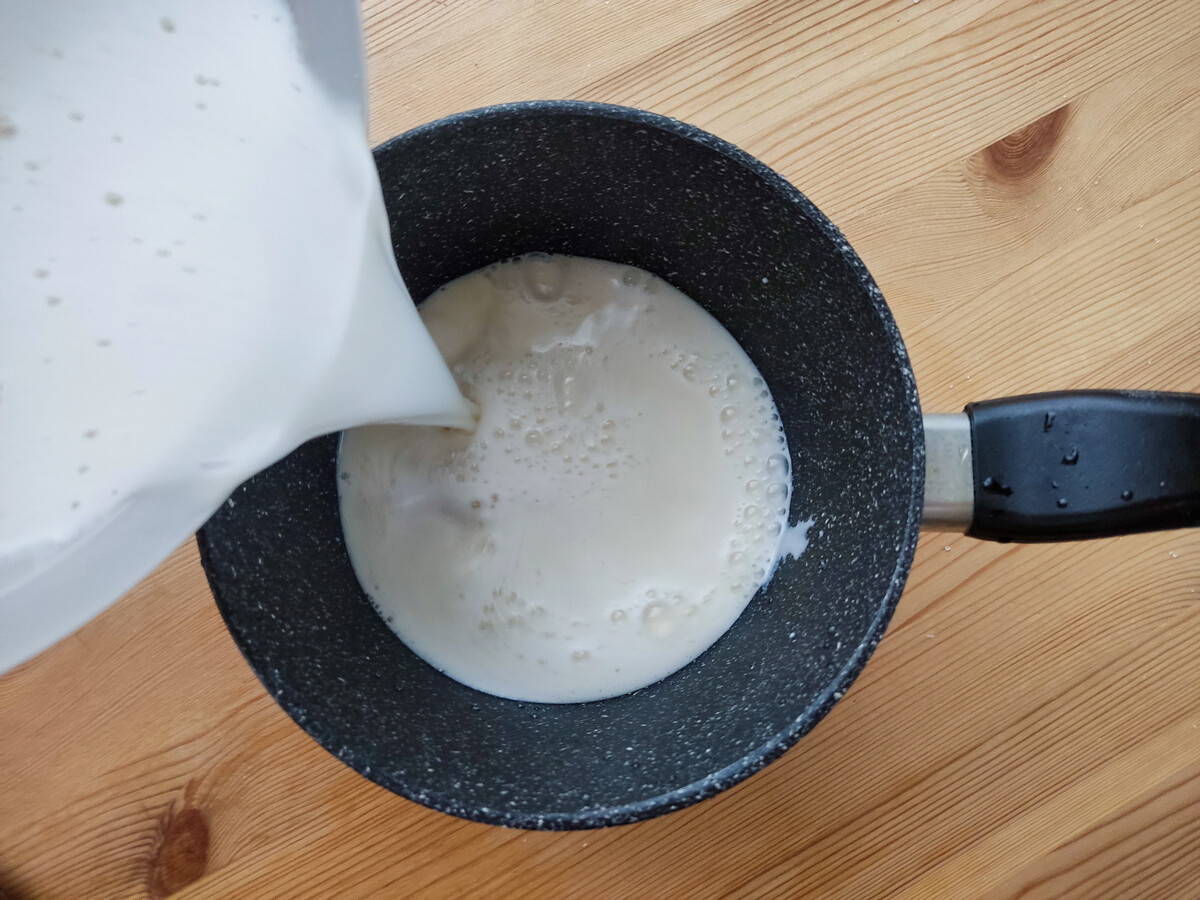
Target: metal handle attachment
949	481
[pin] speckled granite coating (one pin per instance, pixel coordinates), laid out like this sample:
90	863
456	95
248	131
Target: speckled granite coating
629	186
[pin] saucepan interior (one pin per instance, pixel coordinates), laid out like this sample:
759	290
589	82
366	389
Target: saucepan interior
640	189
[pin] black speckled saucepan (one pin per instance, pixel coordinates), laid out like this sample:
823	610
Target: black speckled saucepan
624	185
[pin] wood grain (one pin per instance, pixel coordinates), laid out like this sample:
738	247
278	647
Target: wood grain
1021	178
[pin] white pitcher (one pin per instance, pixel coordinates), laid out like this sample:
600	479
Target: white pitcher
195	277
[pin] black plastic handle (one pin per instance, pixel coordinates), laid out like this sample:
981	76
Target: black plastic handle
1084	464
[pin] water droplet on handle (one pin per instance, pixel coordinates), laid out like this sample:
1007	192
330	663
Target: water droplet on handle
993	486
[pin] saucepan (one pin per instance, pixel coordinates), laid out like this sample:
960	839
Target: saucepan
636	188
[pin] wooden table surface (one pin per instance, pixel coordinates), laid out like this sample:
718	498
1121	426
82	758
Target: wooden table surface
1021	178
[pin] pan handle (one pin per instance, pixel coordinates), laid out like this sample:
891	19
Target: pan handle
1065	466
